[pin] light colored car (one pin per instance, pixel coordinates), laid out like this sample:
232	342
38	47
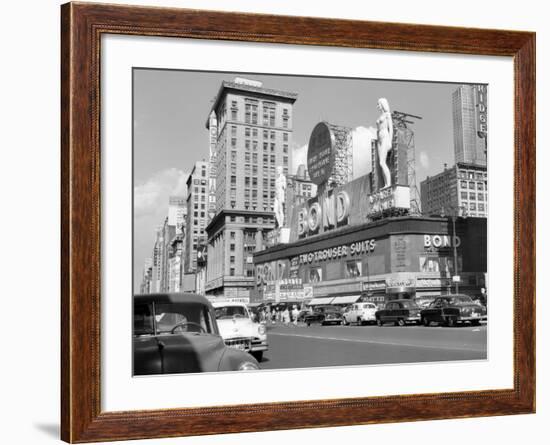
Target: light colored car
238	329
360	313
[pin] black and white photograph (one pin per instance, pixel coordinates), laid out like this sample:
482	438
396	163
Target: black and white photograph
285	222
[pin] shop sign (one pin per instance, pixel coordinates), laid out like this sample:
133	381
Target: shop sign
396	197
400	282
374	285
438	241
432	282
357	248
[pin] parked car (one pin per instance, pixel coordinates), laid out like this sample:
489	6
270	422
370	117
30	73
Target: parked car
178	333
323	315
239	330
359	313
399	312
453	309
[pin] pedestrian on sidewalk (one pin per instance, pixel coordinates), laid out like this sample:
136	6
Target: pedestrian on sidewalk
295	313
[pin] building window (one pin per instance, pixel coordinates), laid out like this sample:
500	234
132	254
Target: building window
233	180
285	122
254	132
285	137
463	184
480	185
233	156
232	234
285	160
232	247
471	185
247	132
285	148
480	196
233	130
232	271
464	195
353	269
232	259
315	275
472	196
272	147
265	134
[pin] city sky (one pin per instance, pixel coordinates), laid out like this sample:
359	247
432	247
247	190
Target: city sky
171	108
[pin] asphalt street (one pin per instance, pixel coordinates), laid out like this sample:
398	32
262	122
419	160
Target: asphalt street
302	347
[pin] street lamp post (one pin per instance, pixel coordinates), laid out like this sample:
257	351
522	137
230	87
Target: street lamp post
455	252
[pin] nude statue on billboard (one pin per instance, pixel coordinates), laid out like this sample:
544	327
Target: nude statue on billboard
384	125
280	189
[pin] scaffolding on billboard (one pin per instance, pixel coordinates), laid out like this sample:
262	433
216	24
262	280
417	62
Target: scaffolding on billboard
401	121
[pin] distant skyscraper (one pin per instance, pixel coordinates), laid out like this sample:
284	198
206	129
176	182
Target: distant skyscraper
254	133
197	213
470	124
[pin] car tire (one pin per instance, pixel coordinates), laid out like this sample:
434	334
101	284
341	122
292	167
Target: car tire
425	321
476	322
359	321
379	322
401	322
258	355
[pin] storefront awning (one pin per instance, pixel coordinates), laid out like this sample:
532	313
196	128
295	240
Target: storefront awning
348	299
321	300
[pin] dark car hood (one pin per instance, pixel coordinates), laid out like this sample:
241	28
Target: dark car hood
178	353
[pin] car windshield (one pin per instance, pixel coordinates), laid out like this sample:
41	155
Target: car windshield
409	304
226	312
172	318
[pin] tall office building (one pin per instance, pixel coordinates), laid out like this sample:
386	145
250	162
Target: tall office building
460	190
470	124
254	133
197	213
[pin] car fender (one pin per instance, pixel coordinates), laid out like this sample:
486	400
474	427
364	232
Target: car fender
232	359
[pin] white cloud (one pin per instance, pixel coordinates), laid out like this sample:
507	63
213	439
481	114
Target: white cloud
362	137
424	160
151	196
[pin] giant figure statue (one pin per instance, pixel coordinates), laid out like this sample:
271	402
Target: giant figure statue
280	189
384	138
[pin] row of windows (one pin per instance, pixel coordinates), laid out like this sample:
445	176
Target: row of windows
472	185
472	196
463	174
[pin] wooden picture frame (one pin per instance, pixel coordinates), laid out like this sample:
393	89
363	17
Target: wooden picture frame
82	26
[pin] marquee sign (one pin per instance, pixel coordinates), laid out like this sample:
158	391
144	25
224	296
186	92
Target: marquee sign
481	109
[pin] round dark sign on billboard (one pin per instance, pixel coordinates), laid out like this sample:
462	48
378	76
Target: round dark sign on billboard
320	153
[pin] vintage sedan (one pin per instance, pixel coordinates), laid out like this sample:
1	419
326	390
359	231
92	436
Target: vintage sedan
452	309
359	313
399	312
239	330
323	315
178	333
